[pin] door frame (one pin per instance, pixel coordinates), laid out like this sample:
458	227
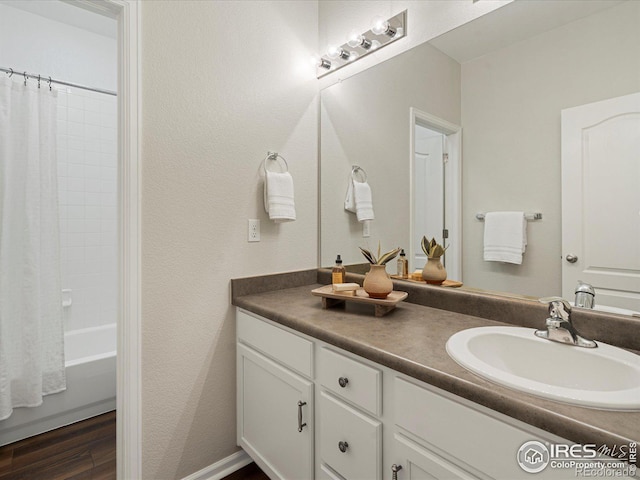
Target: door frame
128	388
453	184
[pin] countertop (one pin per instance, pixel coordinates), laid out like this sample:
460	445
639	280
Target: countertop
411	339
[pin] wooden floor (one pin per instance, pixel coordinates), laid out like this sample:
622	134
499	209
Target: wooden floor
82	451
250	472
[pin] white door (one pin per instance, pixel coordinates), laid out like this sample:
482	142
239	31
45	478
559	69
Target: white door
601	200
429	196
275	417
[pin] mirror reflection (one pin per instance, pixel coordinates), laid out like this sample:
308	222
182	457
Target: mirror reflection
505	79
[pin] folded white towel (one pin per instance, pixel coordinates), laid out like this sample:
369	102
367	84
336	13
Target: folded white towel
278	196
505	237
359	201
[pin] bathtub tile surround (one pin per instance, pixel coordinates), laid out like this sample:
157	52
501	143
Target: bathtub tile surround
87	176
411	340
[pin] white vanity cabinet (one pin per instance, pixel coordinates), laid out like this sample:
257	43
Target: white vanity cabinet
360	418
275	400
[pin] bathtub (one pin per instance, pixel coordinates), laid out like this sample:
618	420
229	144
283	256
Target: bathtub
90	360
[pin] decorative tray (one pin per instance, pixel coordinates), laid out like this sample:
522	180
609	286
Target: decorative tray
382	305
446	283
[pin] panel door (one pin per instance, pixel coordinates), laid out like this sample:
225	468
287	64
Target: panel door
601	200
270	417
419	463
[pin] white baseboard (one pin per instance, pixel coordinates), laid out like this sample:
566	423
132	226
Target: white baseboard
222	468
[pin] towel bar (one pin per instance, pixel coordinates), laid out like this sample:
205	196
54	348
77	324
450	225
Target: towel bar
528	216
274	156
354	171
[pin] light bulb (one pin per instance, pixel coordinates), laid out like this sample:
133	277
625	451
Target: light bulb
354	39
357	40
381	26
335	51
318	61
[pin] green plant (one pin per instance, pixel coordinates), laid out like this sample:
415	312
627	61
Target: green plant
381	259
432	249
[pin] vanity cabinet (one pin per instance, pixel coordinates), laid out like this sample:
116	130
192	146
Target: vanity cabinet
275	402
361	420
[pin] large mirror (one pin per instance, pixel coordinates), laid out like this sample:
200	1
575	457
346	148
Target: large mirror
504	78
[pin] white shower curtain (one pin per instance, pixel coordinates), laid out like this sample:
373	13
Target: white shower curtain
31	327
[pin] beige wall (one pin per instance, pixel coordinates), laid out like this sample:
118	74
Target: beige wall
222	83
511	102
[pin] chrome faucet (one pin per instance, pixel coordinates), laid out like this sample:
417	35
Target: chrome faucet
559	326
585	295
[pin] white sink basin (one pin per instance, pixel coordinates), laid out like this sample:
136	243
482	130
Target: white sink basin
605	377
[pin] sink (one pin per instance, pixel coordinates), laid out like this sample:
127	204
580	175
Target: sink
606	377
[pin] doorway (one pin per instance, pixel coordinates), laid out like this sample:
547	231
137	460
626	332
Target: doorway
435	189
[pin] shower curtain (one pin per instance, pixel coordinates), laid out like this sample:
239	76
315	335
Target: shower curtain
31	327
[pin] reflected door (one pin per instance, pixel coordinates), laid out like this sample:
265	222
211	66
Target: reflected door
601	200
429	195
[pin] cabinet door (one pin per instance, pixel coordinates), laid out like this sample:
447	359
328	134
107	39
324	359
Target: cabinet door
275	416
419	463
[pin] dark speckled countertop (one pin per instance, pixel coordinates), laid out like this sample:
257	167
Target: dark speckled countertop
411	339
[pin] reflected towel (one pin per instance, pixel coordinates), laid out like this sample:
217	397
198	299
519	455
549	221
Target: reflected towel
278	197
359	201
505	237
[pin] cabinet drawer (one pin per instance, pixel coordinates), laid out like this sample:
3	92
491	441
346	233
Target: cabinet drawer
352	380
289	349
361	439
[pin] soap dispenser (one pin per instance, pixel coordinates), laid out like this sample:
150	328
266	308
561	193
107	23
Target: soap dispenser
338	273
403	265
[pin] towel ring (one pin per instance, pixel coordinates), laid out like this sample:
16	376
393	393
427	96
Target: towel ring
354	171
274	156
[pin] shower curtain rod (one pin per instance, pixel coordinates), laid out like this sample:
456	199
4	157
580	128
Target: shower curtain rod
50	80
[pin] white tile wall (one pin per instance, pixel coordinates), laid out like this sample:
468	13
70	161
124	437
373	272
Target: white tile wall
87	175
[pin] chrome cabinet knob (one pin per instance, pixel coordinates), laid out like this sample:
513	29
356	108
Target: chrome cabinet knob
342	381
571	258
342	446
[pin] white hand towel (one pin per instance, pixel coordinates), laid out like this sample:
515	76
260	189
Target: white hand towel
278	196
364	203
358	200
505	237
350	199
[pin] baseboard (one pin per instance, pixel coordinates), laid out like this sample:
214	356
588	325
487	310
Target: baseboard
222	468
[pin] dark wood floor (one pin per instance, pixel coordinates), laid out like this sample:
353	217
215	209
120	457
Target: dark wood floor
82	451
250	472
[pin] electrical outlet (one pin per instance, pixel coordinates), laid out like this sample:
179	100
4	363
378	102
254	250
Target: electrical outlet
366	229
254	230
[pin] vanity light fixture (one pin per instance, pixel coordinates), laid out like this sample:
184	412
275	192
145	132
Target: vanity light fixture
382	33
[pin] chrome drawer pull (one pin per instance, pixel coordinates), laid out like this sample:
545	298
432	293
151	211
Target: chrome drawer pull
342	446
300	424
342	381
395	469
